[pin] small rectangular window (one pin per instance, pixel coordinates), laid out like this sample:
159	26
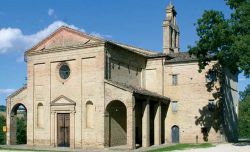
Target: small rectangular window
211	105
174	106
174	79
210	77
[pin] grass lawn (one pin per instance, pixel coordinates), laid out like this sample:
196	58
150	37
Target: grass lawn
182	147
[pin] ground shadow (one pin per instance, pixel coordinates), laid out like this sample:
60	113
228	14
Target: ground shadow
242	143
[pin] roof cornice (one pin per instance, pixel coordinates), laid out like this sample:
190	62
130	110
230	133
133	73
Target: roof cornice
65	48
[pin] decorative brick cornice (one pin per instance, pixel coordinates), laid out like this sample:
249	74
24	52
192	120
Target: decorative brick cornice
61	49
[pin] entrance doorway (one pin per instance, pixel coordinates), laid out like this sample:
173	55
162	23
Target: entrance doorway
175	134
63	129
18	124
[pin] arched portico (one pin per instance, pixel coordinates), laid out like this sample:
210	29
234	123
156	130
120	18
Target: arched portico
145	111
18	124
115	124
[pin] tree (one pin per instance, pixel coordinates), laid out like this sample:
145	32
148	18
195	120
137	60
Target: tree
21	131
244	113
2	134
225	40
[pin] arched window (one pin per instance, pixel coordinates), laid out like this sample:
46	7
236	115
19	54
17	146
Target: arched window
89	115
40	113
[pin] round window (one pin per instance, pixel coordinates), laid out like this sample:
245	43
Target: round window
64	71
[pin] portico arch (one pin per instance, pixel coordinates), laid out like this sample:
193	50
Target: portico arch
18	124
115	124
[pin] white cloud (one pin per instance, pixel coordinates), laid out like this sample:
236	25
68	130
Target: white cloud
6	91
100	35
51	12
13	39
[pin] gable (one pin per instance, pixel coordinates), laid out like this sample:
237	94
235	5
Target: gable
64	37
62	100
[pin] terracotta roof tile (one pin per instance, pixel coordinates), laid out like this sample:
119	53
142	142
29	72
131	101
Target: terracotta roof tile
138	90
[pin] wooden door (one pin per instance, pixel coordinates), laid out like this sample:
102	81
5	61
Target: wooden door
63	129
175	134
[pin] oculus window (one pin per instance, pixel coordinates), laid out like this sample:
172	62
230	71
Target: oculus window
64	71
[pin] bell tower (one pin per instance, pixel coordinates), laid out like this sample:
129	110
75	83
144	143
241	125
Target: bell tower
171	31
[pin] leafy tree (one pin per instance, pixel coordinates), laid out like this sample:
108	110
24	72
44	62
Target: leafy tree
244	113
225	40
2	108
21	131
2	134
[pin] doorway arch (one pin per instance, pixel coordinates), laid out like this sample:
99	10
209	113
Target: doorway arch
116	124
175	133
18	124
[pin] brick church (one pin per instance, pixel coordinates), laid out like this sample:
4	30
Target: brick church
84	91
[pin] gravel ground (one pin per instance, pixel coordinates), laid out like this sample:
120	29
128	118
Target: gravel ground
245	147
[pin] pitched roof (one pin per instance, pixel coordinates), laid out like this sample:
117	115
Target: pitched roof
134	49
17	92
93	42
138	90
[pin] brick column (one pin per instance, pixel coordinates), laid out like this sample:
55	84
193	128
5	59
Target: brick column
166	128
157	124
131	124
146	124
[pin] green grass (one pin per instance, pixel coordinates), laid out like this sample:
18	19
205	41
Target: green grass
182	147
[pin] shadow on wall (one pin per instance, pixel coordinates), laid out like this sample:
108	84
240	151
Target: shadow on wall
219	113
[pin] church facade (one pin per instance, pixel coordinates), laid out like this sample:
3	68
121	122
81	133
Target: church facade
83	91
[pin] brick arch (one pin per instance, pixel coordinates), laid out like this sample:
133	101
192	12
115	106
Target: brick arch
115	123
113	100
14	115
15	107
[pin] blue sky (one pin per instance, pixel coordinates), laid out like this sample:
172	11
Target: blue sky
139	23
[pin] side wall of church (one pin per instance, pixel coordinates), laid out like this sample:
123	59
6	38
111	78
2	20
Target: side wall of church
153	79
230	106
192	99
85	86
125	67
